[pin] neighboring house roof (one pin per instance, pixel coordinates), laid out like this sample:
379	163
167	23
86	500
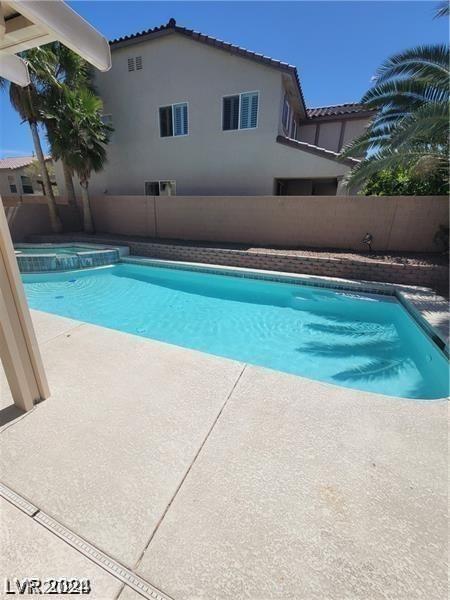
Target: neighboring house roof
339	110
18	162
317	150
171	27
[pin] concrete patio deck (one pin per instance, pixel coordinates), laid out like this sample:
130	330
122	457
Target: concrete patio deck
212	479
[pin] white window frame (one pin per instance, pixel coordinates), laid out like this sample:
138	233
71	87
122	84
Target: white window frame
239	128
294	128
169	137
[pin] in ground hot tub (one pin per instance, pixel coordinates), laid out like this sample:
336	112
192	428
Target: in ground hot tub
35	258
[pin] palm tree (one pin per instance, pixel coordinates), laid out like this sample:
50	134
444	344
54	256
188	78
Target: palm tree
72	70
410	126
78	136
27	102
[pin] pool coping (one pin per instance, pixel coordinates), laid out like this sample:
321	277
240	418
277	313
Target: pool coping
421	303
121	248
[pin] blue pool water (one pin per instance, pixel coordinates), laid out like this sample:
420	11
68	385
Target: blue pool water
358	341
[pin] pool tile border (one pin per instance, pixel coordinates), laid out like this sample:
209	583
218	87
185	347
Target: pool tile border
95	255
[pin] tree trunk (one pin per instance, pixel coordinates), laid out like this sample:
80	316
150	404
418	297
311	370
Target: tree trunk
68	184
53	211
88	223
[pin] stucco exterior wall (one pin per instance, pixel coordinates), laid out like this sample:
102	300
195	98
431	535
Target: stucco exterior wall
333	134
353	129
208	161
329	135
397	223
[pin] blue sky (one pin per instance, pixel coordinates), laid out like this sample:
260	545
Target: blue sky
335	45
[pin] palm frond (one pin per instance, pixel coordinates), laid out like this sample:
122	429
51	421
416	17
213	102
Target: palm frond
443	9
405	93
429	122
428	62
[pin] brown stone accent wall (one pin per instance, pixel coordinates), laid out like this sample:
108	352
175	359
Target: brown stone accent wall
435	276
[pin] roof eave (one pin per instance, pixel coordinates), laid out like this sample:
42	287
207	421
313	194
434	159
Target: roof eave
316	150
363	114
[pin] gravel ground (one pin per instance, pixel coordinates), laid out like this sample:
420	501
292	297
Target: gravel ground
407	258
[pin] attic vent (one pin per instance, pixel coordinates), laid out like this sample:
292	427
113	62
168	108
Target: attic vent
138	63
131	64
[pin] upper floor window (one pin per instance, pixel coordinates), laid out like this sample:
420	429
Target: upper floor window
286	113
173	120
240	111
27	185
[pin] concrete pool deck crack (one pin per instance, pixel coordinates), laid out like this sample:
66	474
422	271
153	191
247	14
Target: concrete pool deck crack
66	333
110	565
188	470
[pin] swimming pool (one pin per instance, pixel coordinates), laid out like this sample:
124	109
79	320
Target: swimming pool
354	340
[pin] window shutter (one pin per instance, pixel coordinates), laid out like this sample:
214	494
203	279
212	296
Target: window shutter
230	113
138	63
131	64
254	101
185	119
180	119
245	111
249	110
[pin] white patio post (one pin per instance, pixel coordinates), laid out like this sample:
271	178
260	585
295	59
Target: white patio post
19	351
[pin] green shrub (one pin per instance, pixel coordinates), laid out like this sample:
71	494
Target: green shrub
400	182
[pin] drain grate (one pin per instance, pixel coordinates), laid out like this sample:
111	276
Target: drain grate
110	565
18	501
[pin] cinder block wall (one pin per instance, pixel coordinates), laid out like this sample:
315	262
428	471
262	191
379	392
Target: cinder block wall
397	223
30	216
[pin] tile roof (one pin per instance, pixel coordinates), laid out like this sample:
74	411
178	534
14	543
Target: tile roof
17	162
349	108
172	27
298	145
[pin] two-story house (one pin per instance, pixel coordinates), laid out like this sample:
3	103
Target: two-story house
193	115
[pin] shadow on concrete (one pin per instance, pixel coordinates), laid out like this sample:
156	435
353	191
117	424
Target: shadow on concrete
10	413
